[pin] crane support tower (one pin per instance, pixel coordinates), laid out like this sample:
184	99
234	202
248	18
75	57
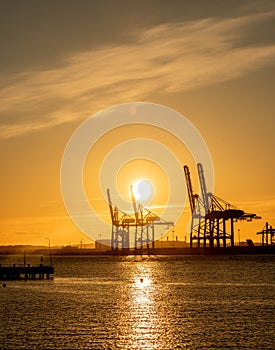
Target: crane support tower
268	235
212	222
121	223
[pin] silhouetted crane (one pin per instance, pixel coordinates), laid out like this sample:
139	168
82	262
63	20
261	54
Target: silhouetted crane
145	222
121	223
211	214
268	235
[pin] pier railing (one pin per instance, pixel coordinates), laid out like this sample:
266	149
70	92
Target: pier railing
20	271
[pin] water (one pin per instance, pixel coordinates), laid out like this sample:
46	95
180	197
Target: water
190	302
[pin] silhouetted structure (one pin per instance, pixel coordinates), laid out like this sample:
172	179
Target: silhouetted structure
144	224
121	223
213	218
268	235
16	272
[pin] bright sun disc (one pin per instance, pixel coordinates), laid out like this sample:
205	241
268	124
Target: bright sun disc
142	190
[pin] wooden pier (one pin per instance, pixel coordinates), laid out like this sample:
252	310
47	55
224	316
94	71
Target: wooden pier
25	272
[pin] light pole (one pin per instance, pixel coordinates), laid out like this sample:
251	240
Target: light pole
50	251
100	242
173	238
239	237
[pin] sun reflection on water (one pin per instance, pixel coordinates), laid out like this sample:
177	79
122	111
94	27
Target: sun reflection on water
142	282
144	315
145	322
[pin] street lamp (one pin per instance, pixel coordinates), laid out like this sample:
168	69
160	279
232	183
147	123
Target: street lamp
173	239
239	237
50	251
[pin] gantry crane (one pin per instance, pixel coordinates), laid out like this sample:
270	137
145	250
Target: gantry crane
145	222
121	223
268	235
211	214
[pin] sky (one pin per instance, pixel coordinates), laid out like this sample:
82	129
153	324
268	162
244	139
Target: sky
63	61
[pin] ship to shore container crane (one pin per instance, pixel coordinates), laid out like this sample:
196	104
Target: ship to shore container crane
145	222
121	223
268	235
213	218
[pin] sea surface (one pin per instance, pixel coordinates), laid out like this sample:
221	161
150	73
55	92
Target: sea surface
141	302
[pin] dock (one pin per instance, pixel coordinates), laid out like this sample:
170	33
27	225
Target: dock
26	272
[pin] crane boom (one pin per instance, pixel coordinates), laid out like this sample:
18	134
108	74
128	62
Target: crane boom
110	206
189	188
205	195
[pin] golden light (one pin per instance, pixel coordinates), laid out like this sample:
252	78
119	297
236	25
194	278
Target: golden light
142	282
143	190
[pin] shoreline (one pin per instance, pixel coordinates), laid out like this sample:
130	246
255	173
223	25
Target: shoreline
254	250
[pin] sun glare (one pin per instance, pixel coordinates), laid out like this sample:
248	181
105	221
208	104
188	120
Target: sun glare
142	190
142	282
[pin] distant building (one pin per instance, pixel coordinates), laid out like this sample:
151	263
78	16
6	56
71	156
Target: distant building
103	245
171	244
249	243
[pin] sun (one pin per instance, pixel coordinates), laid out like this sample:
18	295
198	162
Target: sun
143	190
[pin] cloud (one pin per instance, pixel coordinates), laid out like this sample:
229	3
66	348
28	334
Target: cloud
167	58
261	204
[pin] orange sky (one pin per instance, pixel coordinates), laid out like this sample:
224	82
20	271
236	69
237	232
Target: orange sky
62	62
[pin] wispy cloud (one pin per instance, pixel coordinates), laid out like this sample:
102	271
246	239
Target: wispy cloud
170	57
261	204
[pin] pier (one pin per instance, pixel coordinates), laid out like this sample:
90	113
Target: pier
25	272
